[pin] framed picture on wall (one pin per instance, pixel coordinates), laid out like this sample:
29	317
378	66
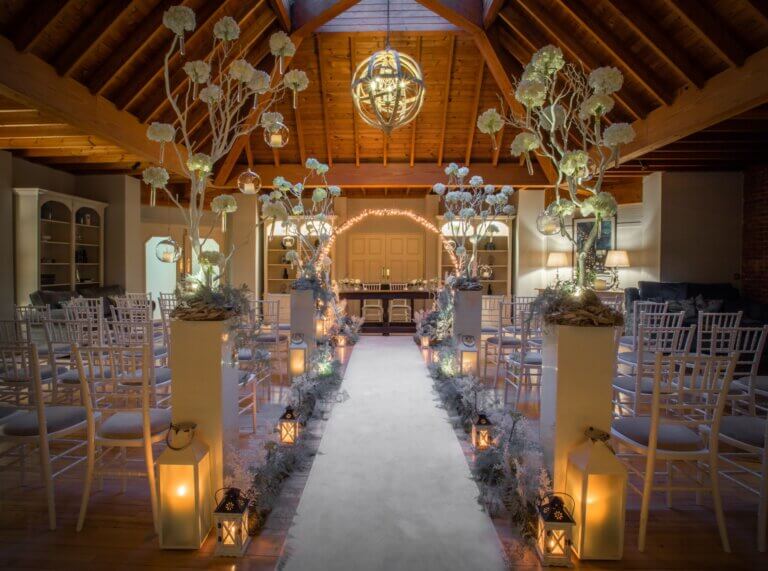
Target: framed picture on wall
606	240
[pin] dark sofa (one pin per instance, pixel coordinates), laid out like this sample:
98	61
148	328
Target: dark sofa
56	298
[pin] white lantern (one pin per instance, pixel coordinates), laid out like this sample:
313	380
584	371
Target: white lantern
276	135
554	532
288	427
468	355
249	182
482	433
597	481
231	522
168	251
297	356
185	496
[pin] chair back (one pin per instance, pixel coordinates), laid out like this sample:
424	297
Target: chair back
20	381
641	307
284	308
399	302
373	303
398	287
663	340
708	321
13	331
489	311
521	309
32	314
265	313
85	308
132	325
371	287
130	300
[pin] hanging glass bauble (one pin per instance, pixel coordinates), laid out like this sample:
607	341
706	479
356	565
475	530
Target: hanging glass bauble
168	251
276	135
388	89
249	182
548	224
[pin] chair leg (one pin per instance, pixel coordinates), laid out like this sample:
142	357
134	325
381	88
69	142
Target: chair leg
646	501
87	485
150	461
669	483
45	464
714	477
253	405
485	361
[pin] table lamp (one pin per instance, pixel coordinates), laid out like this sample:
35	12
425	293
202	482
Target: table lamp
614	260
557	260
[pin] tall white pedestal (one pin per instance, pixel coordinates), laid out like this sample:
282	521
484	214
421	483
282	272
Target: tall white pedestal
576	393
205	386
303	316
467	317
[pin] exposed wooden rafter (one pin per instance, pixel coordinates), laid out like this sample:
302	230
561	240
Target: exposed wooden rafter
475	112
282	10
447	99
414	123
355	127
491	11
32	21
324	100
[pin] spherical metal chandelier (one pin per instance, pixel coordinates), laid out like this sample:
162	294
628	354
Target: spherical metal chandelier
388	88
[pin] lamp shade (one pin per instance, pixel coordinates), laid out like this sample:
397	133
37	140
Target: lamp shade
616	259
557	260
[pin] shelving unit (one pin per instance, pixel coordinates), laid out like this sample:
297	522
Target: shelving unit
499	259
59	242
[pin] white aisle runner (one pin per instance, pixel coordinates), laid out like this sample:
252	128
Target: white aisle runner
390	489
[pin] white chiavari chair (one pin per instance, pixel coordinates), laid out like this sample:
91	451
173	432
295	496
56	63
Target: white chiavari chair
687	403
166	303
85	308
33	424
399	311
256	371
638	309
118	402
398	287
524	365
501	343
264	320
707	322
284	309
371	286
651	321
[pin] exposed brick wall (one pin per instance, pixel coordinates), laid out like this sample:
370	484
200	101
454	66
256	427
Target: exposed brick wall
755	238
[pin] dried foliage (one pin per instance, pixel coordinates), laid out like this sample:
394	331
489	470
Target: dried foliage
560	307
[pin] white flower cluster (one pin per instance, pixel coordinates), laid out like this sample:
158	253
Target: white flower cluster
618	134
597	105
224	204
455	170
574	163
439	188
316	166
210	95
280	45
605	80
259	83
602	204
242	71
198	71
490	122
296	80
179	19
531	93
319	194
200	163
226	29
548	60
161	132
155	177
271	120
523	142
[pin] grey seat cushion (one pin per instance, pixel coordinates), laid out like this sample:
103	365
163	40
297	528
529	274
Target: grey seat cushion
162	375
747	429
271	337
672	437
72	377
128	425
284	326
46	373
160	350
761	383
627	383
631	357
56	418
488	329
6	412
530	358
627	340
505	341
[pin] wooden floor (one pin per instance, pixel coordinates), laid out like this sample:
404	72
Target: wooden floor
118	532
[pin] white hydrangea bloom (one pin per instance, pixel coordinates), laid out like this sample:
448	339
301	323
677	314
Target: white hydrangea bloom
161	132
281	184
241	71
451	169
574	163
508	209
439	188
292	256
319	194
605	80
530	73
489	189
200	162
298	210
507	190
467	212
462	172
275	210
548	60
296	80
280	45
210	94
490	122
531	93
155	177
597	105
179	19
476	181
259	83
453	196
224	204
523	142
334	190
226	29
271	120
198	71
618	134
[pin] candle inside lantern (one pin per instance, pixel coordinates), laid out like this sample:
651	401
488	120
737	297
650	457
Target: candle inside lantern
276	139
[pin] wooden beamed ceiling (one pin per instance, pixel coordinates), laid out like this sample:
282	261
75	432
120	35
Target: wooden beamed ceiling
682	61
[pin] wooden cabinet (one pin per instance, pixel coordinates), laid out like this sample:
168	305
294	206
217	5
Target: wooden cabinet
59	242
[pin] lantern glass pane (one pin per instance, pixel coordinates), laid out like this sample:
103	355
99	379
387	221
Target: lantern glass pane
469	362
604	517
178	505
288	432
297	362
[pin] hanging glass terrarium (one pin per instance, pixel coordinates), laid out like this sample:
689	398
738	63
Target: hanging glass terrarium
168	251
249	182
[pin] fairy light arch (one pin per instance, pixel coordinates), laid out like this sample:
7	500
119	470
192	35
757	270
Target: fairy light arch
426	224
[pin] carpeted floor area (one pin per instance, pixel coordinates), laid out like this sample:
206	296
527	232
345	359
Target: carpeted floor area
390	488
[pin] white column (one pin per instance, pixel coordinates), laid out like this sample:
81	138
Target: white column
530	244
303	316
578	367
243	233
205	386
467	317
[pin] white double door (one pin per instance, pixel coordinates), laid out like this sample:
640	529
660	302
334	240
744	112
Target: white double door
370	255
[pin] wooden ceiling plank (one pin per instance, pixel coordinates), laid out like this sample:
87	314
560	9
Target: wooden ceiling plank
447	99
616	46
158	106
307	19
299	136
32	21
760	7
323	97
711	28
86	38
565	39
249	154
491	11
29	80
142	34
663	45
282	10
355	128
475	112
145	77
276	156
727	94
414	123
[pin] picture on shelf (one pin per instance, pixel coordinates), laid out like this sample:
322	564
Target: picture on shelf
605	241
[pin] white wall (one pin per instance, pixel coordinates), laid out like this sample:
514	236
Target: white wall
6	235
651	217
530	244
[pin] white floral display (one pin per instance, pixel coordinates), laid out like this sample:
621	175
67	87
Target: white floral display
210	95
562	121
222	205
241	71
161	132
271	120
296	80
226	29
280	45
198	71
490	122
155	178
179	19
260	82
200	163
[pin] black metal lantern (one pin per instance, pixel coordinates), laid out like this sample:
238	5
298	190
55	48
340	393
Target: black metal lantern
555	531
289	427
231	519
482	432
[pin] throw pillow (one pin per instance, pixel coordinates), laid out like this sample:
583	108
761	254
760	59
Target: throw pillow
709	305
687	306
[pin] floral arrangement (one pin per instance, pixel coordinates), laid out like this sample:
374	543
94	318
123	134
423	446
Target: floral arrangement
565	111
470	206
436	324
226	85
208	302
558	306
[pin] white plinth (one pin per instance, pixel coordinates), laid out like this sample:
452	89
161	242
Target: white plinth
579	363
303	316
205	387
467	319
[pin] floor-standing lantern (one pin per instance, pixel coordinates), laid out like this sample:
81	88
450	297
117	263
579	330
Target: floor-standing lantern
231	522
554	532
289	427
297	356
424	341
597	481
468	355
185	496
320	327
482	432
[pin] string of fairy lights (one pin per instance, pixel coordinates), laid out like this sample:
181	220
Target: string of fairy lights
426	224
